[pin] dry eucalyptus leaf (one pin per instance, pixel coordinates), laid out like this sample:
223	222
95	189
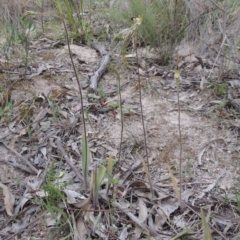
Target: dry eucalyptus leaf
143	212
170	205
73	196
25	199
124	234
52	221
9	199
81	228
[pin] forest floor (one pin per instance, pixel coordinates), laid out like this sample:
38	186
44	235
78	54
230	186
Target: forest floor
44	106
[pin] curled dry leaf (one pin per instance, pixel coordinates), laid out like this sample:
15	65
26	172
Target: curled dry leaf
9	199
78	200
143	212
73	197
25	199
52	221
124	234
81	228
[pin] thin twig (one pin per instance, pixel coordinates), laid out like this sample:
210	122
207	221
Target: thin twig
140	99
42	6
21	157
64	154
17	165
121	113
19	231
136	220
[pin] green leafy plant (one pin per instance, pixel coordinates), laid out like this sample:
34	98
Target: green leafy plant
220	89
20	35
206	228
238	200
5	114
134	33
101	93
86	154
221	105
73	11
54	108
54	194
189	170
97	177
23	36
11	37
163	22
114	105
112	181
110	166
54	190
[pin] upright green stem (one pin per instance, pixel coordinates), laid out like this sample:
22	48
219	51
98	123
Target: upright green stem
140	95
177	78
121	113
80	93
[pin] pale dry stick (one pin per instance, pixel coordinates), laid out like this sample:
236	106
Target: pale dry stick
223	31
218	52
21	157
222	44
17	165
232	50
80	90
221	67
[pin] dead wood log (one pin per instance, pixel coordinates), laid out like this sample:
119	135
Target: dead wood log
232	101
103	66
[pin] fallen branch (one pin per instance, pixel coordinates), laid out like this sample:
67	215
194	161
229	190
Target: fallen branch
103	66
34	170
136	220
232	101
64	154
17	165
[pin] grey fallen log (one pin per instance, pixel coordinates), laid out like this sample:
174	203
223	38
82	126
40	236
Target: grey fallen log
103	65
232	101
